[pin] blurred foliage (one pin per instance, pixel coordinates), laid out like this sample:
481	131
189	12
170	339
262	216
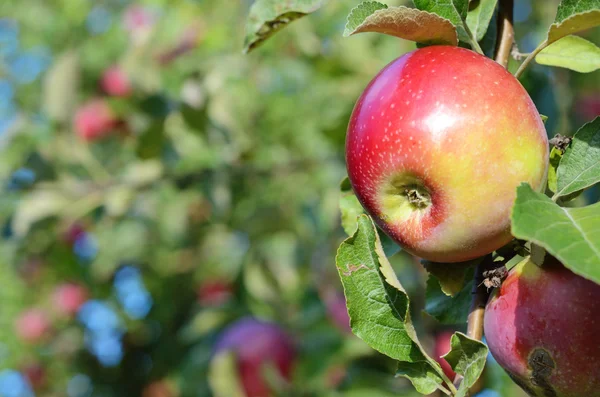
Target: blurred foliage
219	173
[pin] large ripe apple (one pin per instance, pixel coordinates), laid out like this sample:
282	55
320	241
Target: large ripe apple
256	344
542	327
436	146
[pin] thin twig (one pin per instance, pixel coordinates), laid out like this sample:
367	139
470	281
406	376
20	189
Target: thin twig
506	32
530	57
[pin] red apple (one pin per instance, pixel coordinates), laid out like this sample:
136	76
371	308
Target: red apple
256	343
588	106
94	120
441	347
116	82
436	146
214	292
542	327
32	325
160	388
35	374
69	297
335	302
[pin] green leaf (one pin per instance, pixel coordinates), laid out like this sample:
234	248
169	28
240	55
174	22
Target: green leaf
580	165
421	375
61	84
378	304
36	206
571	52
572	235
574	16
450	275
544	118
479	16
267	17
453	10
359	13
350	209
466	357
406	23
150	143
222	376
488	42
555	156
446	309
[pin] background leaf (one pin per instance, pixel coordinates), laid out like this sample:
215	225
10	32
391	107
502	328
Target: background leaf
572	235
480	15
267	17
406	23
574	16
453	10
571	52
580	165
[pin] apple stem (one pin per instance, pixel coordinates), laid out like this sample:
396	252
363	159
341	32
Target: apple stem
507	32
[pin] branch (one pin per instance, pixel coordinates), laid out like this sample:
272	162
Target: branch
506	32
530	57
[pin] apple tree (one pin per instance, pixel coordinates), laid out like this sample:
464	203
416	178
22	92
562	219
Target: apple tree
448	159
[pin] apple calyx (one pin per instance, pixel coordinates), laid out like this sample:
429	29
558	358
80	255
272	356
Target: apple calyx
403	195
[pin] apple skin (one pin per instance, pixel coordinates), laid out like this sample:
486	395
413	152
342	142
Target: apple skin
441	347
551	314
436	146
94	120
256	343
115	82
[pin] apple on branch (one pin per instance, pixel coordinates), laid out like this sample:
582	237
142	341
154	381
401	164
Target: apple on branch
436	146
542	327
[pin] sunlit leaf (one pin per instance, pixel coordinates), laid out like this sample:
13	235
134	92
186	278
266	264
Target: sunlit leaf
571	52
572	235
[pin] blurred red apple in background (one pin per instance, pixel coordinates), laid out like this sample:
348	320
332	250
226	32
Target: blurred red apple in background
94	120
69	297
436	146
335	302
255	344
214	292
115	82
32	325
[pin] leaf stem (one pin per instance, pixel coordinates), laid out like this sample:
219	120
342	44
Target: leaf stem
507	32
472	38
530	57
444	390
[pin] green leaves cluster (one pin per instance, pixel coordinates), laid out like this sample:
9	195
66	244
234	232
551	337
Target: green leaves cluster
561	48
379	310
